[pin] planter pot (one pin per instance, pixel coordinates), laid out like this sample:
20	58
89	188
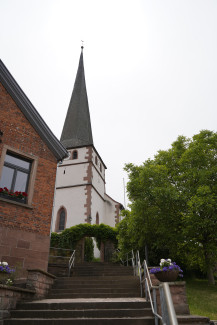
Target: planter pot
167	276
13	198
3	277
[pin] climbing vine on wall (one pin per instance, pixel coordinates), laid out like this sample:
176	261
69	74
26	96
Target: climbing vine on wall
70	236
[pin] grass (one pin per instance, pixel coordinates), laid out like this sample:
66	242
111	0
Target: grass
202	298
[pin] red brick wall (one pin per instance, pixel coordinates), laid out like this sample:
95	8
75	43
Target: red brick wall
20	135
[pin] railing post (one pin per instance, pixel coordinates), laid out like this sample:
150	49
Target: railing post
169	303
155	306
146	290
164	312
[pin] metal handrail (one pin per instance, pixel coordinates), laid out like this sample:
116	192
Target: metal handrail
71	262
141	270
148	288
128	258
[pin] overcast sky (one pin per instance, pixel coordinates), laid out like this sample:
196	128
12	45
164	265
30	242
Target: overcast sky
150	66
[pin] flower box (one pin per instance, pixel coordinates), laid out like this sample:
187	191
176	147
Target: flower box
168	276
15	196
167	272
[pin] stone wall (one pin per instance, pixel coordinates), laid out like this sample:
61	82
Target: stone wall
38	285
179	297
24	250
40	282
9	296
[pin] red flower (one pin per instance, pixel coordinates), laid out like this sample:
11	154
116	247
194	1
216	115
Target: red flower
17	194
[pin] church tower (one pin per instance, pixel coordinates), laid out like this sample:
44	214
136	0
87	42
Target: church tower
80	185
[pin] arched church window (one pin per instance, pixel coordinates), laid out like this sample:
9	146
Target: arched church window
96	160
62	220
97	218
75	154
100	167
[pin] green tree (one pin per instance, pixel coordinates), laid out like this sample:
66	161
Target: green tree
173	202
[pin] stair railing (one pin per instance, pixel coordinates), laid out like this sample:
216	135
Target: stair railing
129	258
167	308
71	262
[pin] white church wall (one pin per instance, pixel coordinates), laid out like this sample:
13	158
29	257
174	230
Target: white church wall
73	200
82	153
109	214
110	209
98	182
71	175
97	162
97	206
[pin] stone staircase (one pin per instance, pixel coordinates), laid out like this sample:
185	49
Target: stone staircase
96	293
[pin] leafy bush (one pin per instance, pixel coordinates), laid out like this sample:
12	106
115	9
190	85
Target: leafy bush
70	236
88	249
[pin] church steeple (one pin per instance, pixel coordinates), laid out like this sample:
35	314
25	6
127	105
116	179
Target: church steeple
77	127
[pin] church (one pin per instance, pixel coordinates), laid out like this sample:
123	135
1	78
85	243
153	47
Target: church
80	195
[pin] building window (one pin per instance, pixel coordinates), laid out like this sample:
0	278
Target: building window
100	167
96	160
97	218
15	175
75	154
62	220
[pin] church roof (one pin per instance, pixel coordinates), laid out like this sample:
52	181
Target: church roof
31	113
77	127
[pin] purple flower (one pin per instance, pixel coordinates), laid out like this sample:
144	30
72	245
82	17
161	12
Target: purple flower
166	265
4	268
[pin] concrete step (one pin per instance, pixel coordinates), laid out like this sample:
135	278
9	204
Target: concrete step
95	273
90	269
81	321
76	304
101	265
90	313
92	295
97	282
110	267
95	285
101	272
103	269
119	311
83	289
98	278
147	320
193	320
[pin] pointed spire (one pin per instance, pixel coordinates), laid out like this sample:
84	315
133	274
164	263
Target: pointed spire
77	127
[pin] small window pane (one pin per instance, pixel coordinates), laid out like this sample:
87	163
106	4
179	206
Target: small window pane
21	182
75	154
7	177
62	220
18	162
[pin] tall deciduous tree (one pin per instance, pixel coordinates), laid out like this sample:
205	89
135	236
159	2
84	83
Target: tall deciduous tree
174	202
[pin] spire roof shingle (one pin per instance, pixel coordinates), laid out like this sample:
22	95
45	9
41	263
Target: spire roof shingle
77	127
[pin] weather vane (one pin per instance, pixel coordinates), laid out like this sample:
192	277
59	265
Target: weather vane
82	45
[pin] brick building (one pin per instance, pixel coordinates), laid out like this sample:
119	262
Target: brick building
29	153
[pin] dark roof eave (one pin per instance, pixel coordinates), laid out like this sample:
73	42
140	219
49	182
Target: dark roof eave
31	113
